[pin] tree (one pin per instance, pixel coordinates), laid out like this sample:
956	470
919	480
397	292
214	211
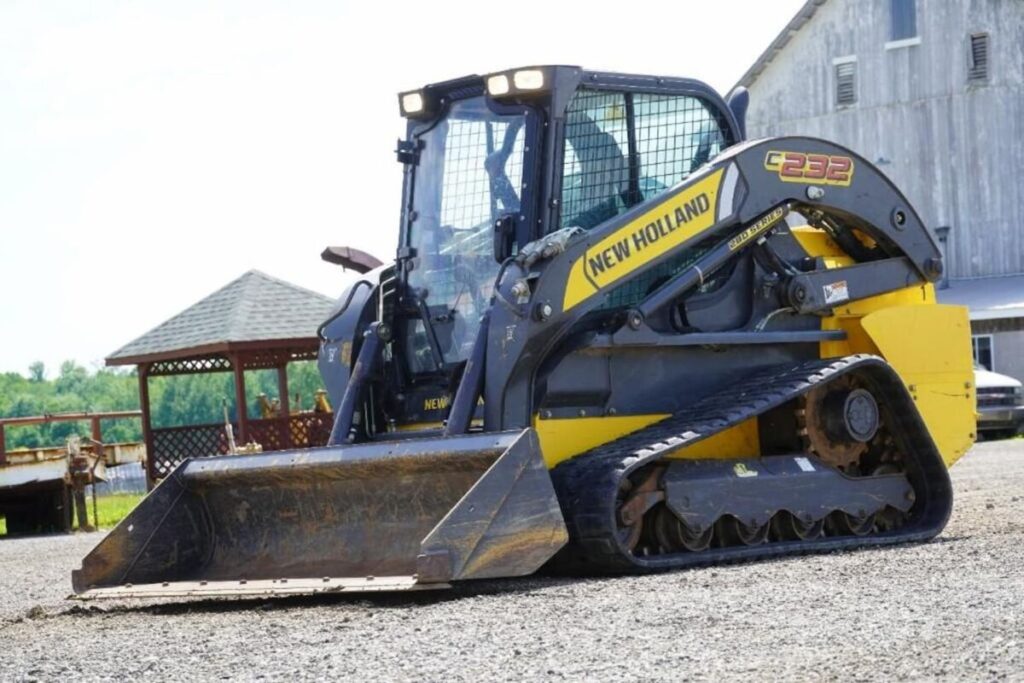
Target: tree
72	379
37	372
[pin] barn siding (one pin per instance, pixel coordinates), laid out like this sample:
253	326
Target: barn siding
956	149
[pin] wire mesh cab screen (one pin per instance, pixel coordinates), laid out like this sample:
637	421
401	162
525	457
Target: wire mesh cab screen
469	196
625	148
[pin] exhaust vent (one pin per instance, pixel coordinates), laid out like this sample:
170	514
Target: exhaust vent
846	82
978	70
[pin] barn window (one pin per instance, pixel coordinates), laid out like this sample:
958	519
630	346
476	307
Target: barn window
846	82
978	70
902	19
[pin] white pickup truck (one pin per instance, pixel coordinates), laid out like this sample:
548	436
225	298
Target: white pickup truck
1000	404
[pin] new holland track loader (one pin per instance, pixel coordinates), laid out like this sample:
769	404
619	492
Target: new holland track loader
617	337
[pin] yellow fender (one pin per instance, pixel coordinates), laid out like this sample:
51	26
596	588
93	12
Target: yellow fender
930	348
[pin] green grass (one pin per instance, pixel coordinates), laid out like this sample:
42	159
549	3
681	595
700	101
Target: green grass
111	509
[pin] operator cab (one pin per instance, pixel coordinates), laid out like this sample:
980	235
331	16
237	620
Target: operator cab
494	162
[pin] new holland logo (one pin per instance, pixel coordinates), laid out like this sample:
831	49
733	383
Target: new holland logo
645	237
814	169
677	219
437	403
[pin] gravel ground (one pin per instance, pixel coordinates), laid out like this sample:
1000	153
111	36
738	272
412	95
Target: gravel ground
949	609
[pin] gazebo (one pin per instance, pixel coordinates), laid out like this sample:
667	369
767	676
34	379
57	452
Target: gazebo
256	322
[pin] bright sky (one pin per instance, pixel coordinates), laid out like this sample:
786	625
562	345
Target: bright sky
152	152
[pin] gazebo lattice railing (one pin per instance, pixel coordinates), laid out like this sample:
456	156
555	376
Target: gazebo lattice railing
169	446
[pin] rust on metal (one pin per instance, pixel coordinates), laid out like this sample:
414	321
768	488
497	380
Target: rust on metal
639	498
473	506
811	421
66	417
46	418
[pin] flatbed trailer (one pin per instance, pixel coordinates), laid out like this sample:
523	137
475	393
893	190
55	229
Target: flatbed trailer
41	488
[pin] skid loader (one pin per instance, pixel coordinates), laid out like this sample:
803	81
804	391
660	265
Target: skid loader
616	337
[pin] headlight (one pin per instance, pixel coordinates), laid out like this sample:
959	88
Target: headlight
497	85
417	104
519	83
412	103
529	79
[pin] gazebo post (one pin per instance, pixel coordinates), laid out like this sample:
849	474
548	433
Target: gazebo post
147	429
282	392
240	403
282	389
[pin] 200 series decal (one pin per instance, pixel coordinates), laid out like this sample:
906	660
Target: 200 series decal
815	169
757	229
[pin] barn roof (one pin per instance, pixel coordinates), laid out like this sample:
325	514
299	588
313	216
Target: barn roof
802	16
988	298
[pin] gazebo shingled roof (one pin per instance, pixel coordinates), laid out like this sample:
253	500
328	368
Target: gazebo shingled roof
254	308
254	322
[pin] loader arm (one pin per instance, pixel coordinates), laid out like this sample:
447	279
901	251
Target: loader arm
728	206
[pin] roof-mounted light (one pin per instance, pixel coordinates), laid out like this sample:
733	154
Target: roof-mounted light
415	104
528	79
412	103
518	83
498	85
421	105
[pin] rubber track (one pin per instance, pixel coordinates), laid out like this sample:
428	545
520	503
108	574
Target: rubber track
588	484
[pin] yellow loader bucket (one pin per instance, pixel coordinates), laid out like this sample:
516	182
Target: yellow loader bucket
380	516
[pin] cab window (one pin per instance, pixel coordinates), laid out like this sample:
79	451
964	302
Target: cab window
624	148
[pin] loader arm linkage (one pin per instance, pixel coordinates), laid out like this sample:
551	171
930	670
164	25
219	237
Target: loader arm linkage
733	203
